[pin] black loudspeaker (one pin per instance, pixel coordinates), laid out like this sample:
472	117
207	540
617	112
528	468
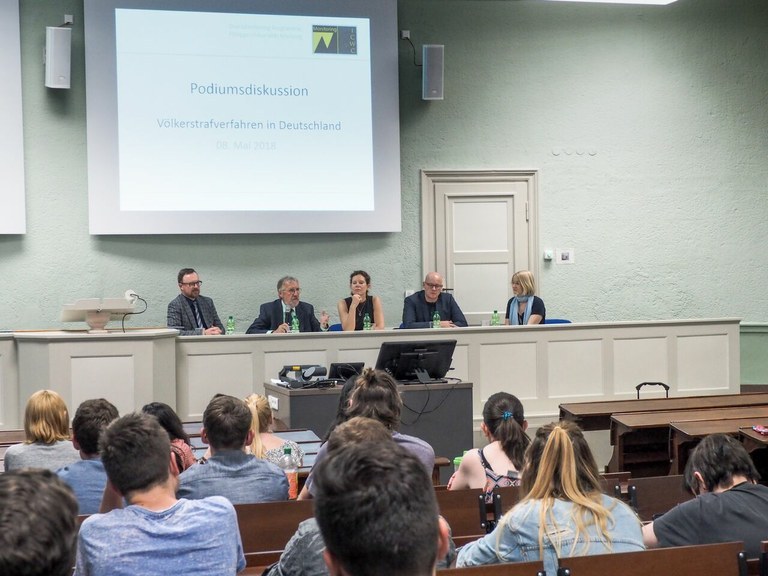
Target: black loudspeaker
432	72
58	56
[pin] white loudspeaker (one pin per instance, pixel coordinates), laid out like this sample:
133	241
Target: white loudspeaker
58	56
432	72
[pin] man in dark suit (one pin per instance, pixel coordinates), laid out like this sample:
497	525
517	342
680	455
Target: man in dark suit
190	313
275	317
419	308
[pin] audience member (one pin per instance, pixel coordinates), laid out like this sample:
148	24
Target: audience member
564	513
265	444
156	535
46	427
87	476
500	462
191	313
38	517
376	396
181	446
377	513
230	471
341	409
419	308
275	317
352	310
729	506
524	307
303	555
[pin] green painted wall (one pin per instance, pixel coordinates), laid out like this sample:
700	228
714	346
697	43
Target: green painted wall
648	126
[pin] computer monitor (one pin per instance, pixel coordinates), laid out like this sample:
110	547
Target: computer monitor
416	361
345	370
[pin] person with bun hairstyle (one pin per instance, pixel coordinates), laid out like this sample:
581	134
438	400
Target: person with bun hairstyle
181	445
563	513
500	462
352	310
375	395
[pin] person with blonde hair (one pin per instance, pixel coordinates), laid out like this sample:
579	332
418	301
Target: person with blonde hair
524	307
46	427
265	444
563	513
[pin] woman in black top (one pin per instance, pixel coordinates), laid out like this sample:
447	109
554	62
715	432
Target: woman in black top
352	310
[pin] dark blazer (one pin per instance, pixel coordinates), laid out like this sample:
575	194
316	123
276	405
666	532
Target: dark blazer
417	312
181	317
271	316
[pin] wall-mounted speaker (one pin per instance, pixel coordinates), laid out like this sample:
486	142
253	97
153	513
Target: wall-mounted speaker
58	56
432	72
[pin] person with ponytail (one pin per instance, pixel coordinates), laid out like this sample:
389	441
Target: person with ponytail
563	512
500	462
265	444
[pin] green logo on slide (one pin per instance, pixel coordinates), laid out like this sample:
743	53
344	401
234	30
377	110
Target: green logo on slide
334	39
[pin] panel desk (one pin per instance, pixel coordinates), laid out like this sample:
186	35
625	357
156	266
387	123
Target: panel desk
641	440
440	414
597	415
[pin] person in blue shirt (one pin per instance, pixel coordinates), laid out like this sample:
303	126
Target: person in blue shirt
231	472
563	513
87	477
156	534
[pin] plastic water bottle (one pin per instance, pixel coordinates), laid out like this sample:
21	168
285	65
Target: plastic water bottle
367	322
290	466
495	318
436	319
294	322
231	325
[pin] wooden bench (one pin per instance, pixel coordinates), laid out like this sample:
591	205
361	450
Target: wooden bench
597	415
465	512
641	440
265	528
535	568
725	559
653	496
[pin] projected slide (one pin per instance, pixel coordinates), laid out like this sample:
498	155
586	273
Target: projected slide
242	116
243	111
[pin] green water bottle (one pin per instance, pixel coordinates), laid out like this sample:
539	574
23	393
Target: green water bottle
495	318
231	325
367	322
436	319
294	322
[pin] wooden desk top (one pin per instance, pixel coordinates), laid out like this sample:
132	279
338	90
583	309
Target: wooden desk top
636	421
596	415
701	428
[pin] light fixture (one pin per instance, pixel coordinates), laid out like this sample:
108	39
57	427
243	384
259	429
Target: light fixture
654	2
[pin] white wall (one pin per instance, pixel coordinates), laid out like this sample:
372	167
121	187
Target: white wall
667	218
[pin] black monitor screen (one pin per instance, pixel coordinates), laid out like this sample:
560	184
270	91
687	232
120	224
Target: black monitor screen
416	361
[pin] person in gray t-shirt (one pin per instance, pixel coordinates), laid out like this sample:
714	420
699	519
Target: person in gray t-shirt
46	428
375	395
156	534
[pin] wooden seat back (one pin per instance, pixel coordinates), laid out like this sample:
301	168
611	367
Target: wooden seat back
267	526
656	495
464	510
726	559
535	568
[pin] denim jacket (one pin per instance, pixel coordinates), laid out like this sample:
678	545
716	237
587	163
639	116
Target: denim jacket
241	478
516	538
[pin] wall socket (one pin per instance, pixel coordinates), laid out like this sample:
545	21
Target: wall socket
273	402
